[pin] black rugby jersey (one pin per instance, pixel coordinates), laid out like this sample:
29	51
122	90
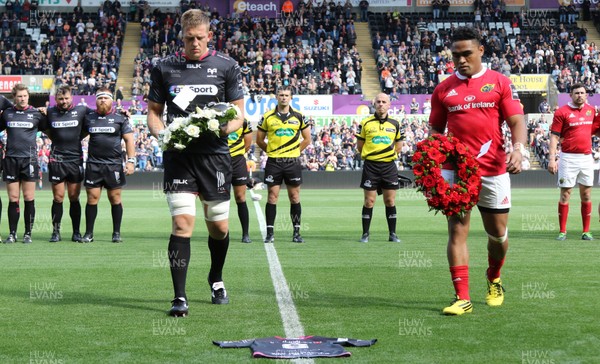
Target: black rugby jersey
302	347
105	133
21	128
213	78
64	129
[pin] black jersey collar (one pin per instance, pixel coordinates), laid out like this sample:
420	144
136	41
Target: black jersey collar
208	53
29	107
379	119
65	110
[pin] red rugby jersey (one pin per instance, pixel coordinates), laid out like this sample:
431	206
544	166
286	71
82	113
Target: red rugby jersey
474	109
574	126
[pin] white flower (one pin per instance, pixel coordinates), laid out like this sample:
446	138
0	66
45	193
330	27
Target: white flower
213	125
176	124
192	130
179	146
166	136
210	113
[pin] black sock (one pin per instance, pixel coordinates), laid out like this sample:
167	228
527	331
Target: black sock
91	211
75	214
117	216
29	216
0	209
390	214
179	258
57	212
270	213
218	252
244	216
367	214
13	216
296	214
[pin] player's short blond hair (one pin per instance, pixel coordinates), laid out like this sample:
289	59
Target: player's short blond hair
193	18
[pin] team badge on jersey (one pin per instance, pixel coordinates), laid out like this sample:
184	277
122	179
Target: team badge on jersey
488	87
588	113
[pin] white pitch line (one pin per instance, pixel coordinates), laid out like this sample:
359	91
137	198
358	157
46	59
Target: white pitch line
289	316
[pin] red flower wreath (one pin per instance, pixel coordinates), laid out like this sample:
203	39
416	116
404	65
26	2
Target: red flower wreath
431	154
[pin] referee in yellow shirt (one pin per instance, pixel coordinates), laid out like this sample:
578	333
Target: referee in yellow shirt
379	142
283	133
239	142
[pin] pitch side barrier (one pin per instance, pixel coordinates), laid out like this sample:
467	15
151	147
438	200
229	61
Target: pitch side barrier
153	181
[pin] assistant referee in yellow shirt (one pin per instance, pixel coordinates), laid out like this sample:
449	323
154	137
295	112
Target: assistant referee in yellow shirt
283	133
379	142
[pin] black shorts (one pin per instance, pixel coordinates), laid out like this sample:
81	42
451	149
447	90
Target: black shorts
379	175
206	174
15	169
71	172
288	170
239	171
109	176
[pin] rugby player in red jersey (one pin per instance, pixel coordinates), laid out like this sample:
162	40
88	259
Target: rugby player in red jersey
473	104
572	125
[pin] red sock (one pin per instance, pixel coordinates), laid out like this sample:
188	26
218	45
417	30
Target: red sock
563	213
460	280
586	215
494	267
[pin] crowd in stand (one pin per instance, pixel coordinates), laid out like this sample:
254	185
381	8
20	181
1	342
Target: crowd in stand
411	57
80	49
312	49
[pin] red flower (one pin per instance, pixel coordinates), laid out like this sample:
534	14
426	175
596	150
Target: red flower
436	156
427	162
417	157
418	169
429	182
460	149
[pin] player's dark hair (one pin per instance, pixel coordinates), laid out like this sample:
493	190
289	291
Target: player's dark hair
64	90
284	88
466	33
18	87
575	86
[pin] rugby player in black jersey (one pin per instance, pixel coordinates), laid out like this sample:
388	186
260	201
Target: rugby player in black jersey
20	163
182	82
65	121
4	104
104	165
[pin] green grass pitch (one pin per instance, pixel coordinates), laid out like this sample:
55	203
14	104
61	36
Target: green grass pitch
106	303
